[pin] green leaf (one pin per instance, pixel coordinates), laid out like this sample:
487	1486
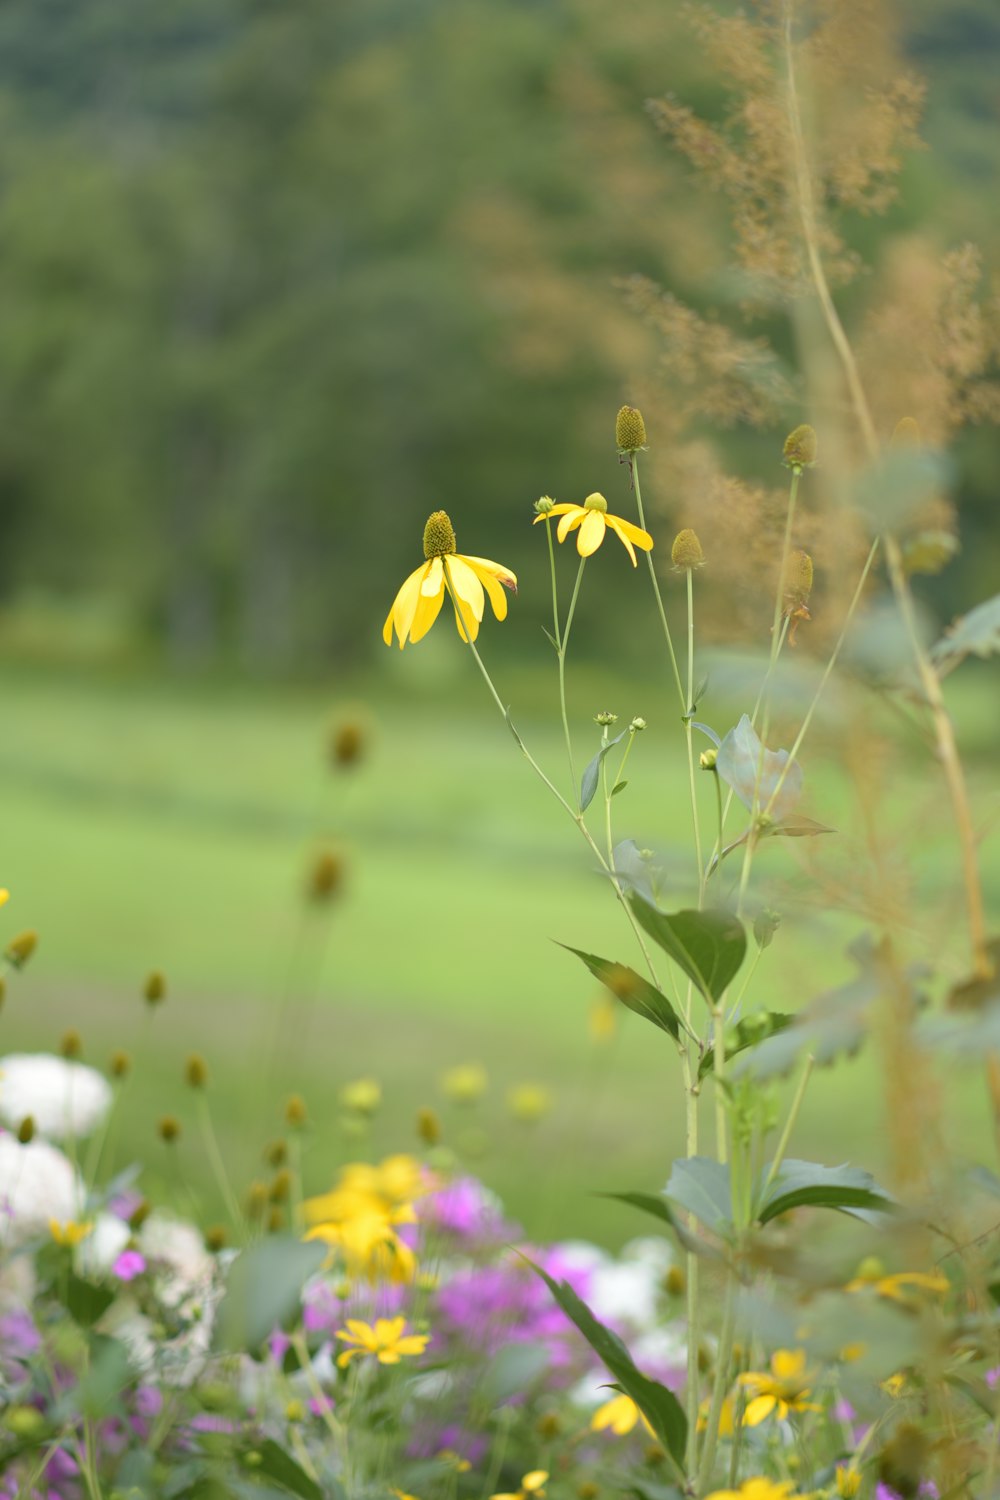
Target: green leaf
659	1406
800	1184
512	1371
550	638
588	782
703	1187
84	1301
977	634
632	990
795	826
263	1289
708	945
619	786
652	1203
278	1465
750	1032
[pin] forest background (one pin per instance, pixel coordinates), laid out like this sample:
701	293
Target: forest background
275	283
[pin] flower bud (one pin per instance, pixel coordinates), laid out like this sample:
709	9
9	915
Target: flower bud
281	1186
70	1044
630	430
765	925
326	876
256	1200
276	1219
168	1128
428	1127
295	1111
675	1281
362	1097
529	1102
276	1153
26	1130
686	553
800	448
605	718
20	948
637	725
216	1237
465	1084
196	1071
347	744
155	988
544	505
119	1064
707	759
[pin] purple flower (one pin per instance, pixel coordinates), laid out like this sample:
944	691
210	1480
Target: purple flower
18	1335
129	1265
466	1210
490	1306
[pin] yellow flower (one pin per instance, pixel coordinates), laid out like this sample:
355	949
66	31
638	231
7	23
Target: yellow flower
848	1481
416	606
386	1340
360	1216
4	896
532	1484
465	1084
783	1388
70	1233
619	1415
757	1488
726	1423
454	1460
593	520
900	1287
895	1385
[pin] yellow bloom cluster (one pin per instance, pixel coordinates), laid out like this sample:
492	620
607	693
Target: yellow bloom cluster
361	1215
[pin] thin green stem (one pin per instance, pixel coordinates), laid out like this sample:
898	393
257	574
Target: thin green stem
786	1134
216	1162
688	732
724	1355
563	642
656	589
719	1069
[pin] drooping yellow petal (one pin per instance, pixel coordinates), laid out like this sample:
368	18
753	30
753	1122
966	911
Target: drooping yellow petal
434	581
403	606
427	610
533	1482
575	515
758	1410
788	1364
467	586
494	569
634	533
465	620
497	597
592	531
620	1414
557	510
615	525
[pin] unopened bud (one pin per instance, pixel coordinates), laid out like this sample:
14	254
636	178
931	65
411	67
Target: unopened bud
630	430
707	759
428	1126
168	1128
605	718
155	988
686	553
347	745
216	1237
637	725
70	1043
276	1153
196	1071
295	1111
276	1219
281	1186
257	1200
119	1064
765	925
799	451
675	1281
544	505
548	1426
20	948
26	1130
326	876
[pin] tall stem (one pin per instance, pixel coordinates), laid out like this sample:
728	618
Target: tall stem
688	735
563	642
656	589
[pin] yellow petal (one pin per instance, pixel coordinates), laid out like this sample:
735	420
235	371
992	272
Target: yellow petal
557	510
426	613
467	585
788	1364
575	515
388	1357
592	531
494	569
534	1480
497	597
414	1343
760	1408
613	522
434	581
404	605
634	533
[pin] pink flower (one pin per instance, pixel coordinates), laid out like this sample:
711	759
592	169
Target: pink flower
129	1265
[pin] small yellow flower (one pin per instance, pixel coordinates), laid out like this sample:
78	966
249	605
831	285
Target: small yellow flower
465	1084
532	1484
593	520
727	1424
4	895
529	1102
848	1481
619	1415
454	1461
783	1388
386	1340
895	1385
69	1233
757	1488
901	1286
416	606
363	1096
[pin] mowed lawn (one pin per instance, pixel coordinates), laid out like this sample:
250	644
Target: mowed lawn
149	825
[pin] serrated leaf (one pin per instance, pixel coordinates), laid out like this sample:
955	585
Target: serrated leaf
275	1463
750	1032
658	1405
263	1288
641	997
974	634
589	780
801	1184
618	787
659	1208
703	1187
709	945
747	767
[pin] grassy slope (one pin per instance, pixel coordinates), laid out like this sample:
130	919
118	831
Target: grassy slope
147	826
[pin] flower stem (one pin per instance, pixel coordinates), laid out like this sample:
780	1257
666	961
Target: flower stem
688	732
786	1134
563	642
656	588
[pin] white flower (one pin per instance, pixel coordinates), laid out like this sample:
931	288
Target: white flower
176	1254
63	1098
37	1183
98	1252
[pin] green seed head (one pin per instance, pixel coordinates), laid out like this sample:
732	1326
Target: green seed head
596	502
439	535
686	553
630	430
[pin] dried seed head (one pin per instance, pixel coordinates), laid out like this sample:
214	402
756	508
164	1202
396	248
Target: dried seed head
439	535
168	1128
800	447
119	1064
70	1043
798	578
281	1186
216	1237
196	1071
630	430
295	1111
906	434
686	553
155	988
347	745
276	1153
20	948
326	876
428	1126
26	1130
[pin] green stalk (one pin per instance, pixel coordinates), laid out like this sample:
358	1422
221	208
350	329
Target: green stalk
562	671
688	736
656	589
786	1134
724	1356
216	1162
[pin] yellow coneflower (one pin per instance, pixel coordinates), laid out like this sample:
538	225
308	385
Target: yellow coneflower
592	520
470	581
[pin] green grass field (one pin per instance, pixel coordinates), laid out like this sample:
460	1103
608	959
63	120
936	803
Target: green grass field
158	826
